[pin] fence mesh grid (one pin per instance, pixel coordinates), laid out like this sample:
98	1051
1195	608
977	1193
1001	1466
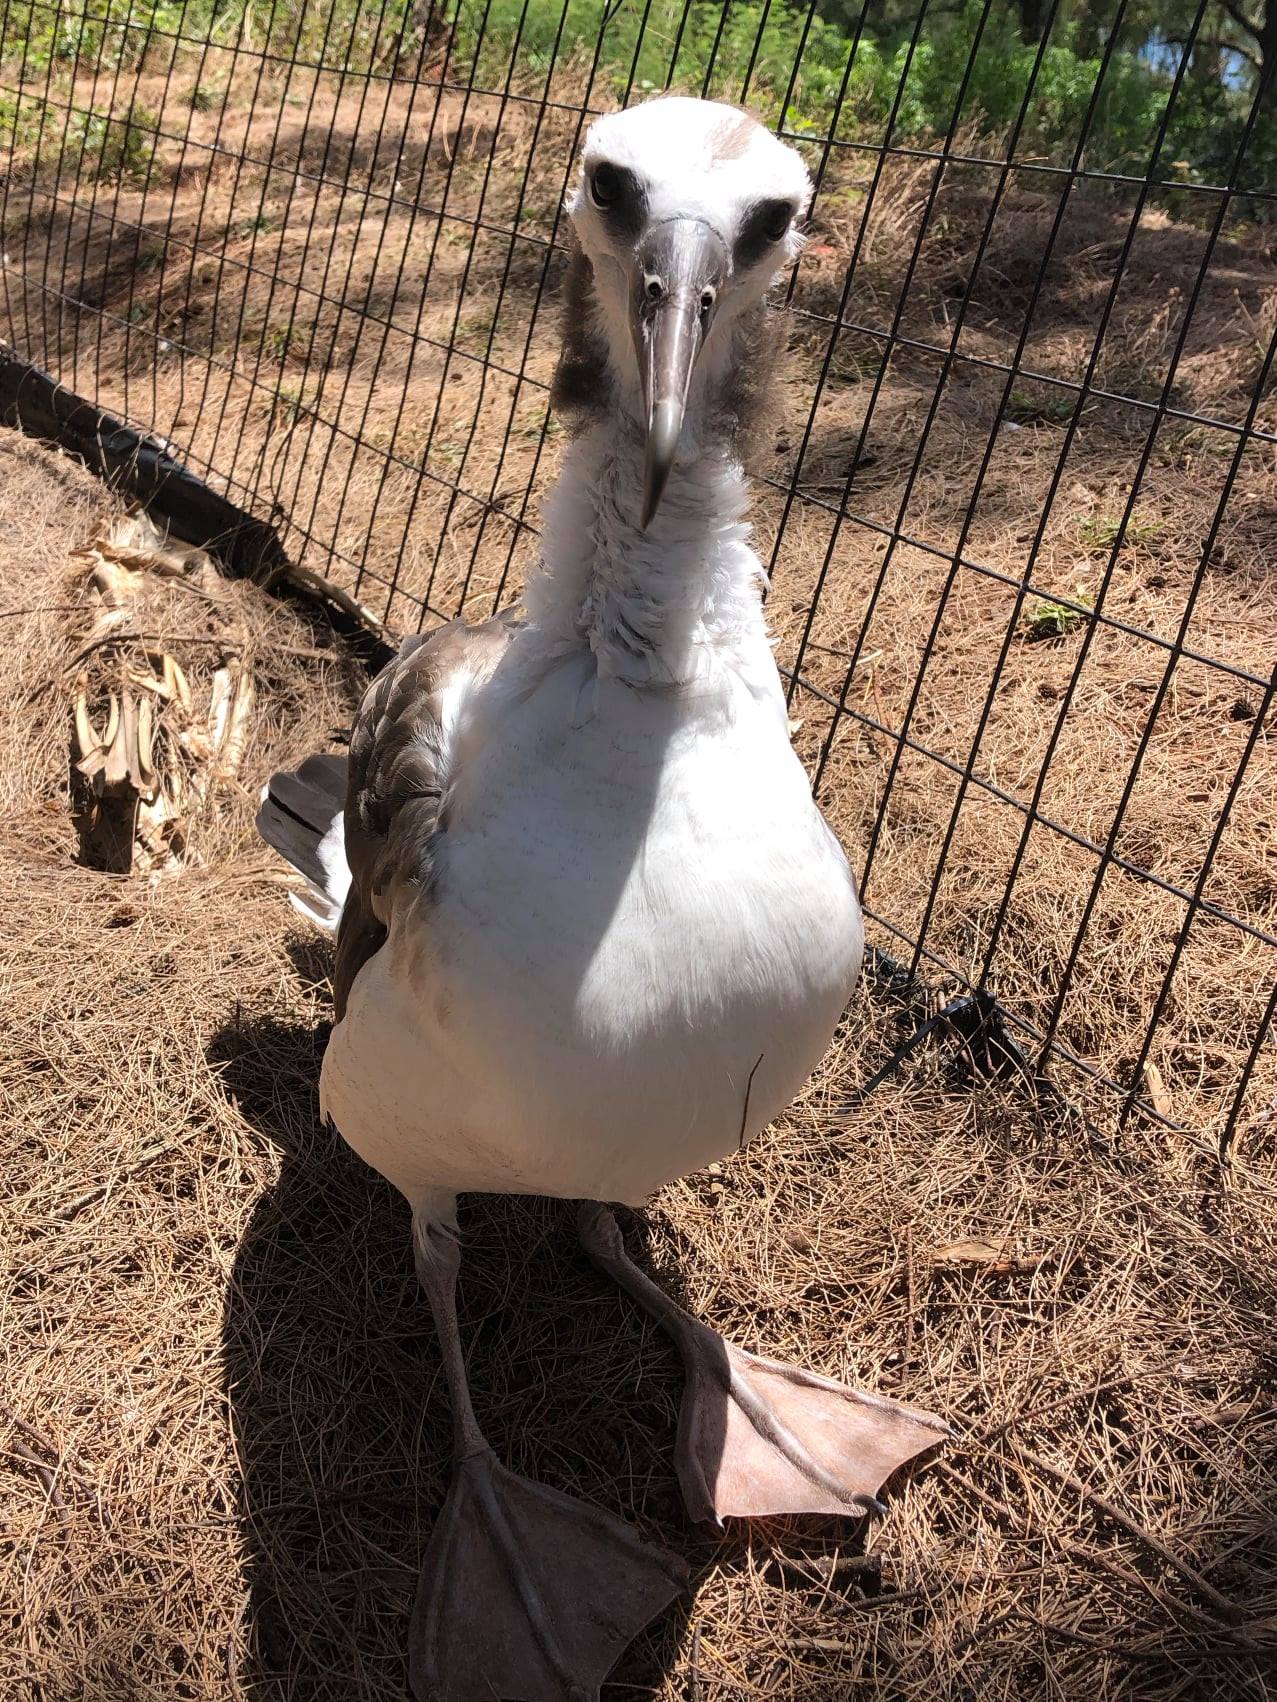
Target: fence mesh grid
1021	485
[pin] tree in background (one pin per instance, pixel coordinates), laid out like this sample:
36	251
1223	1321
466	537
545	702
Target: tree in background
1233	32
1250	31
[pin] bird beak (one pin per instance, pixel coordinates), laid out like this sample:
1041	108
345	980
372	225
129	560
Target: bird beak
681	268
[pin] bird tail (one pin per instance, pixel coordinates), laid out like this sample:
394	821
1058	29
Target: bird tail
303	816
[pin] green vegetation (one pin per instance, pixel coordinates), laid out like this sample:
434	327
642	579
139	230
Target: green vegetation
1101	531
855	81
201	98
115	148
750	49
283	339
259	224
290	403
98	145
1043	407
1048	619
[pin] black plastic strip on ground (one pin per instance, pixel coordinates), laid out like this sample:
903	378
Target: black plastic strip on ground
143	468
137	465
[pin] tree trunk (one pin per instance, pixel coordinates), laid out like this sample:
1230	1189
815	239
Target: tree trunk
1031	20
1207	64
1266	41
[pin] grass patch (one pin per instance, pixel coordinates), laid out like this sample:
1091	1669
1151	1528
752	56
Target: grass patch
1049	619
1053	407
1102	531
201	98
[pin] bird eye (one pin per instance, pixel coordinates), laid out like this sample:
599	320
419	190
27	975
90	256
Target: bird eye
777	221
605	186
765	225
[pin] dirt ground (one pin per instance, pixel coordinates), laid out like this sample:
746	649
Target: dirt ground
224	1428
223	1425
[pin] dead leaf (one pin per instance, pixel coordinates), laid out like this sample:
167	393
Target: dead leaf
1158	1093
985	1254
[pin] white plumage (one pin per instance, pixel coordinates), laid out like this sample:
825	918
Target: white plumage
635	905
597	931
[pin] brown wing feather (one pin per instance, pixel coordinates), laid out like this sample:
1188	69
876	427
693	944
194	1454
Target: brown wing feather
399	771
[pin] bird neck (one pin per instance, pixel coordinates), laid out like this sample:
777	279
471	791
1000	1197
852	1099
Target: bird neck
657	607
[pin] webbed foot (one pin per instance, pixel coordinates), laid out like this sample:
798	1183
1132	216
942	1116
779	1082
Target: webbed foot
757	1437
528	1595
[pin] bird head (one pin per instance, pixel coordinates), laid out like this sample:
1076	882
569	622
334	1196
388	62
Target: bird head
684	212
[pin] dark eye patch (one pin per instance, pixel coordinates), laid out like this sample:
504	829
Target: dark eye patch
763	226
619	196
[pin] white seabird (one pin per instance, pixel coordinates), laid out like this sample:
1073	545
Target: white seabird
594	931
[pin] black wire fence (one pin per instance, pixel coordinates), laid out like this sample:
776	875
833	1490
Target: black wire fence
1021	498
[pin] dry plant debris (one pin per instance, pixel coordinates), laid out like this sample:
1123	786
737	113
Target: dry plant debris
224	1430
139	780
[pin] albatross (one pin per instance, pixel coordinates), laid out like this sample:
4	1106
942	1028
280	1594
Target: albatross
592	930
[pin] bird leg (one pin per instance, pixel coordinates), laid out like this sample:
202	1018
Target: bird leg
524	1593
756	1437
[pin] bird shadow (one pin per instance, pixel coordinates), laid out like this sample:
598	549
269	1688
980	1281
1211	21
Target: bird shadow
340	1411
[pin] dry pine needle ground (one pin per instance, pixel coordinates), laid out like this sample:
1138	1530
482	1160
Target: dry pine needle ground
224	1426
